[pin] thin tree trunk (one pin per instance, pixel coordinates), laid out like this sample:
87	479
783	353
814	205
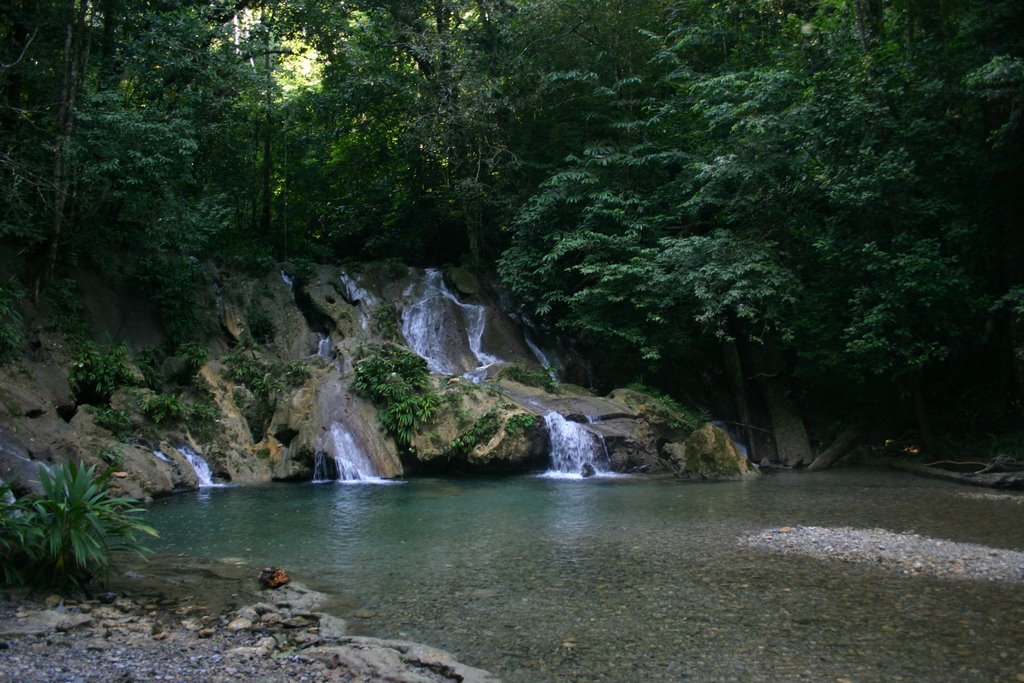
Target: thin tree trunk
924	425
74	51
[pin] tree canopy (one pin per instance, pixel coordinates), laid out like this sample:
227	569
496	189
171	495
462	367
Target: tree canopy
826	191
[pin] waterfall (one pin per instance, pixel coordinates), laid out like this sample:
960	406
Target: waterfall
160	455
549	363
341	459
324	347
288	280
202	468
425	323
574	449
356	295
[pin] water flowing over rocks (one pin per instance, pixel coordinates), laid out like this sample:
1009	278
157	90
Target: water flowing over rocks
904	553
319	321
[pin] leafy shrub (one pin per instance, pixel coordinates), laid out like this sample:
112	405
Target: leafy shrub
173	283
397	381
194	354
264	381
676	413
149	362
384	322
261	327
483	429
117	422
296	373
11	339
519	423
65	537
68	314
98	372
162	408
531	377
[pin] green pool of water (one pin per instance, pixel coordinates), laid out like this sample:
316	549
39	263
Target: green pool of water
631	579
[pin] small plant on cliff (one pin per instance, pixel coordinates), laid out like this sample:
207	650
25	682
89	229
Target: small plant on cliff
117	422
396	380
483	429
194	354
261	327
161	408
385	322
676	414
98	372
519	423
531	377
64	538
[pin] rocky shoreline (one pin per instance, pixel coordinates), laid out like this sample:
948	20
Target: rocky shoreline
153	635
903	553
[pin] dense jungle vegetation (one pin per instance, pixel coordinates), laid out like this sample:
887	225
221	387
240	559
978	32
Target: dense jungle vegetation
812	202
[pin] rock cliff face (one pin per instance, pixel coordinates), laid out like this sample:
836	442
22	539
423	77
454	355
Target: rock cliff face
265	394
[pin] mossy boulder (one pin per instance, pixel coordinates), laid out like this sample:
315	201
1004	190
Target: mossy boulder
709	453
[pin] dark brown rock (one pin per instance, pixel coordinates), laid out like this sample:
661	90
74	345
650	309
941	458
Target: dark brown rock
274	577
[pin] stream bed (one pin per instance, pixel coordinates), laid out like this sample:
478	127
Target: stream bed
632	579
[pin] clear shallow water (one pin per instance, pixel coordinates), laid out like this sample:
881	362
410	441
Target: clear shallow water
631	579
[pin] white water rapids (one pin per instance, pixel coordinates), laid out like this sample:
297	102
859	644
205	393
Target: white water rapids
427	327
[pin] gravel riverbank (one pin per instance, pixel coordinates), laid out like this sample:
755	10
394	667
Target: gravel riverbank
153	634
904	553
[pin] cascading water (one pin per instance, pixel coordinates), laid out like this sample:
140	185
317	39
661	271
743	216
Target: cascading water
348	462
202	468
426	321
324	345
159	455
575	451
288	280
356	295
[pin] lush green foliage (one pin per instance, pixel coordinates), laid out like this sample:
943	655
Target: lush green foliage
484	427
194	354
265	379
829	186
117	422
11	338
97	372
531	377
397	381
519	423
64	538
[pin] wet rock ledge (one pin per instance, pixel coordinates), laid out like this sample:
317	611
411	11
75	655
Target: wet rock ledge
281	638
904	553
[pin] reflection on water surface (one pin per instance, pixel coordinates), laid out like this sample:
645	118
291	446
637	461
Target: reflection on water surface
629	578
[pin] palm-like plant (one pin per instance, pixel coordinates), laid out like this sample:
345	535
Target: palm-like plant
65	537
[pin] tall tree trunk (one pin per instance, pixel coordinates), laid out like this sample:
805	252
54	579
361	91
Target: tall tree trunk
924	424
71	72
734	374
791	442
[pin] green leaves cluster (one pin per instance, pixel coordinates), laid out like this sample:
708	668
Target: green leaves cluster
97	372
11	338
64	538
484	427
518	423
265	379
531	377
397	381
